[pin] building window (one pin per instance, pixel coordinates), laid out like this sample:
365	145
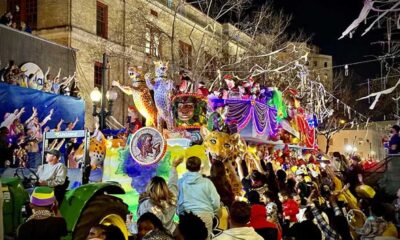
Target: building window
98	74
27	12
346	141
102	20
154	13
170	3
153	43
315	63
326	64
185	54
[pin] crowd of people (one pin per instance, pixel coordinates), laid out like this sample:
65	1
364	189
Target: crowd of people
9	20
276	205
14	75
21	142
325	199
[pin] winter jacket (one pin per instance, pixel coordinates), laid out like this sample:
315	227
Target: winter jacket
165	215
242	233
305	230
258	220
290	209
197	194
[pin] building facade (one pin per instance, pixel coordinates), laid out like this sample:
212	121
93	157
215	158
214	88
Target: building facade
368	144
132	32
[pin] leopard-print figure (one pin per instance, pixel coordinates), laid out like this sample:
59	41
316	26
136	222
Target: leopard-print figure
162	88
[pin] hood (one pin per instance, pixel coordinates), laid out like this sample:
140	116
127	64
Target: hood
258	217
191	177
258	211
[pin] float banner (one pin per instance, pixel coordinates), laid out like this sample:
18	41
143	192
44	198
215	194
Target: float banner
65	107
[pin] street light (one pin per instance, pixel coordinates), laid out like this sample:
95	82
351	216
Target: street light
95	95
99	97
351	149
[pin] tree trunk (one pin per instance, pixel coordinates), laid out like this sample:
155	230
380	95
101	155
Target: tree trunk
328	138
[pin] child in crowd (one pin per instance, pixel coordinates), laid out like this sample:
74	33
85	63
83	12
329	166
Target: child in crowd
290	207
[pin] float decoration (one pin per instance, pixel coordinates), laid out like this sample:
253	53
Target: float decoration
147	146
263	117
140	94
189	111
162	88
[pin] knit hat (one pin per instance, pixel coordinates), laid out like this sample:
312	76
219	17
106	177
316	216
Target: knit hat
42	196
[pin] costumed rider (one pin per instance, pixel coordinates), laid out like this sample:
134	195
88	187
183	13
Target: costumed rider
53	174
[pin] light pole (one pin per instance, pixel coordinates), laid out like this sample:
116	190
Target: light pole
99	96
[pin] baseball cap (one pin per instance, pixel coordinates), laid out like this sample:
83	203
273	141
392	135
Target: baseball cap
54	152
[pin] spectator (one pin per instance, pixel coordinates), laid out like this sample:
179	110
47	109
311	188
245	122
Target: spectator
151	227
353	175
375	225
390	218
394	142
339	162
25	28
328	231
114	233
6	19
45	222
258	219
302	188
5	151
281	178
396	204
98	231
221	183
305	230
190	227
197	194
160	198
290	207
239	218
255	181
271	178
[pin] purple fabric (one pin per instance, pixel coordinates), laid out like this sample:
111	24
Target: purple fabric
214	103
242	111
42	202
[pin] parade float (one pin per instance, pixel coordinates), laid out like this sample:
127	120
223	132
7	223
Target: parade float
233	121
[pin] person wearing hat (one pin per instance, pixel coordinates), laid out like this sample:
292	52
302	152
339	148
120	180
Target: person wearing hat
53	173
45	222
394	142
302	188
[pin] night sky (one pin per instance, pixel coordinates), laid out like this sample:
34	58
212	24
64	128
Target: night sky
324	21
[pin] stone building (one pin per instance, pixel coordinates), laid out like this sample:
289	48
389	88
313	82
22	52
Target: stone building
131	32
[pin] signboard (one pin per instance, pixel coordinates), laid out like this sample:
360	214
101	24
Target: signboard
65	134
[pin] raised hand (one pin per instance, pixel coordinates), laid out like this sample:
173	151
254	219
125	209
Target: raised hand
177	161
115	83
